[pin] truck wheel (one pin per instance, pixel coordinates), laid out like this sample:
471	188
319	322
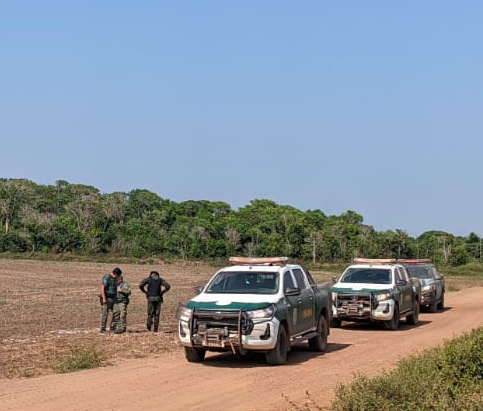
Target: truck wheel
393	323
434	304
194	355
414	317
319	342
278	355
441	303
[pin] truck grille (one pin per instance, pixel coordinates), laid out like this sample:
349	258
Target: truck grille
225	321
354	304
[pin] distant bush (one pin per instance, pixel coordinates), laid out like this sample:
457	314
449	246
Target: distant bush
467	270
12	242
444	378
80	358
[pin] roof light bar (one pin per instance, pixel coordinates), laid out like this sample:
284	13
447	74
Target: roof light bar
375	260
413	260
258	260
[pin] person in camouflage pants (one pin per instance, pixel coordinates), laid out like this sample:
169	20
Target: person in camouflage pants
108	299
123	293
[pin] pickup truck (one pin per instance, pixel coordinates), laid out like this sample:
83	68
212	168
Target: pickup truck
376	290
432	282
256	305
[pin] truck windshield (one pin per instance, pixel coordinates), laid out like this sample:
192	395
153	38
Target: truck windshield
419	271
244	283
367	275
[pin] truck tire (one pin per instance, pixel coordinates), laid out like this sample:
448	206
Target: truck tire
278	356
393	323
319	342
194	355
434	304
441	302
413	318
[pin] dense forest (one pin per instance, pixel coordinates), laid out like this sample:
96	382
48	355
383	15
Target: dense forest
79	219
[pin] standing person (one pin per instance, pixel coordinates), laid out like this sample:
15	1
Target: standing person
156	287
108	299
123	293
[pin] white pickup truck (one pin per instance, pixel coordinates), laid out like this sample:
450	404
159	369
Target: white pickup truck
256	304
376	290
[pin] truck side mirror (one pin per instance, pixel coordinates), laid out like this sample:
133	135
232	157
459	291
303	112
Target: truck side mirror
334	279
198	289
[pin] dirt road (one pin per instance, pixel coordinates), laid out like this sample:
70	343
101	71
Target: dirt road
225	382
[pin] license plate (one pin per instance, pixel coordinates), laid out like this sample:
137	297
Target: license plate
218	344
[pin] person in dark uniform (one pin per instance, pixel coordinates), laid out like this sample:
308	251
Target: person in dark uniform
154	287
108	299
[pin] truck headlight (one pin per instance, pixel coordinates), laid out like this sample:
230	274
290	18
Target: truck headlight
427	287
334	297
184	313
262	314
382	296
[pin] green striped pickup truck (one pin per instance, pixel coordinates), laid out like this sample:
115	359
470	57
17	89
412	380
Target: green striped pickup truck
376	290
256	304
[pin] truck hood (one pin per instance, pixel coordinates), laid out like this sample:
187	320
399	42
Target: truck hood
232	301
425	281
359	287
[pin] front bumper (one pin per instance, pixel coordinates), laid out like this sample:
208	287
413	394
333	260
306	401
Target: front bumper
227	331
362	307
427	298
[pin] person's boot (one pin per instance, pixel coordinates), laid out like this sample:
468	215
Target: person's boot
148	326
120	331
102	330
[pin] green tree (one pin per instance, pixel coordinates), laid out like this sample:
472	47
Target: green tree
13	194
459	256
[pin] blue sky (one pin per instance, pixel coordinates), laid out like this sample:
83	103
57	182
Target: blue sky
374	106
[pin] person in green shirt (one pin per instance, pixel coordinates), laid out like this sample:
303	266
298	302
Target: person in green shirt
108	299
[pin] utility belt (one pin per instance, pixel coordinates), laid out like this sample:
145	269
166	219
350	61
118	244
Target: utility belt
155	298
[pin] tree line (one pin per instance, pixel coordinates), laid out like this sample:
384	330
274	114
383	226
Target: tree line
77	218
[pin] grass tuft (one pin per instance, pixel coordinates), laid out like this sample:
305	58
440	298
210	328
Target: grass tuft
80	358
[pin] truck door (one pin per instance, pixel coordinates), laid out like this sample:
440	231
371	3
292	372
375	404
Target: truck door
292	302
306	313
405	289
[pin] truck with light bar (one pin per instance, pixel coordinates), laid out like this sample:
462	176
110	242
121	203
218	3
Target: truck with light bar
376	290
433	285
256	305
